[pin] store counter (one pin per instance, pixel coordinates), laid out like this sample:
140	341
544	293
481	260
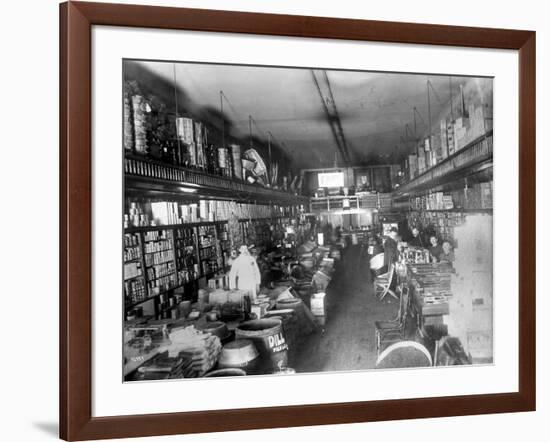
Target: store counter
429	291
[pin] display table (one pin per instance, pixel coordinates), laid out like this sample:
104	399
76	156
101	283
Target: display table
429	290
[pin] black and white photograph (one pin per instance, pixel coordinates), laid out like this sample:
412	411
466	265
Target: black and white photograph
290	220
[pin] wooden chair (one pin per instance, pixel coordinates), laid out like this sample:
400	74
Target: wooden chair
404	354
393	330
376	263
382	284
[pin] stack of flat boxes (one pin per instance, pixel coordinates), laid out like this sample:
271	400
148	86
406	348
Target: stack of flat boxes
453	135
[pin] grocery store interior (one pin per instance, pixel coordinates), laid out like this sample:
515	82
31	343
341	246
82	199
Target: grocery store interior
284	220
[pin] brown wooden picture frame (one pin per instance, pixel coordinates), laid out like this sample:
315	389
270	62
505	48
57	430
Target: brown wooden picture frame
76	21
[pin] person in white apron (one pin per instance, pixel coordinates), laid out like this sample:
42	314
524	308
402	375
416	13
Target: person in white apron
245	273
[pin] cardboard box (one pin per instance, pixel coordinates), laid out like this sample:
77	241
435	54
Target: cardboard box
421	164
317	303
413	166
460	136
259	309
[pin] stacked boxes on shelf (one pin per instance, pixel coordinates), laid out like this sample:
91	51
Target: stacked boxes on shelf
467	129
428	152
192	135
476	196
136	217
201	141
166	213
412	166
421	163
140	120
453	134
444	137
436	151
128	123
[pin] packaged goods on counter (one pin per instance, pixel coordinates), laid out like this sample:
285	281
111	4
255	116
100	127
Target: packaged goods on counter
202	348
219	282
318	307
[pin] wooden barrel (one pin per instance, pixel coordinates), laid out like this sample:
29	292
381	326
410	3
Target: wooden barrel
225	372
268	337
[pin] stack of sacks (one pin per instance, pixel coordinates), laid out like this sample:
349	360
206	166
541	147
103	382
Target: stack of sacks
199	350
163	367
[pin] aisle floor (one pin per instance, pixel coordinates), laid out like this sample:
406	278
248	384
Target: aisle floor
348	340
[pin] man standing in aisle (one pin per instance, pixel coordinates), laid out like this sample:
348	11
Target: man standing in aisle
416	238
391	254
244	273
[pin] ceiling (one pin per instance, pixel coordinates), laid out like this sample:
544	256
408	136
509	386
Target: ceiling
307	113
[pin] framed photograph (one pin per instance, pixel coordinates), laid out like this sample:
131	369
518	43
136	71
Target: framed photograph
272	220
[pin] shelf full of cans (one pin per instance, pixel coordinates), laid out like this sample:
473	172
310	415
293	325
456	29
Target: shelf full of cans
208	249
264	231
160	259
224	244
134	282
140	213
187	261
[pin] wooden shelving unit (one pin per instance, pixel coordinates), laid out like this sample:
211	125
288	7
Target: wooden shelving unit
135	287
473	158
262	230
170	254
458	210
336	202
149	177
171	226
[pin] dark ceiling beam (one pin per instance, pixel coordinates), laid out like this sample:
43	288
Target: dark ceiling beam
333	118
336	119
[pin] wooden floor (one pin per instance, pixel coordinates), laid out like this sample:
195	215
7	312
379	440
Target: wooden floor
347	342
